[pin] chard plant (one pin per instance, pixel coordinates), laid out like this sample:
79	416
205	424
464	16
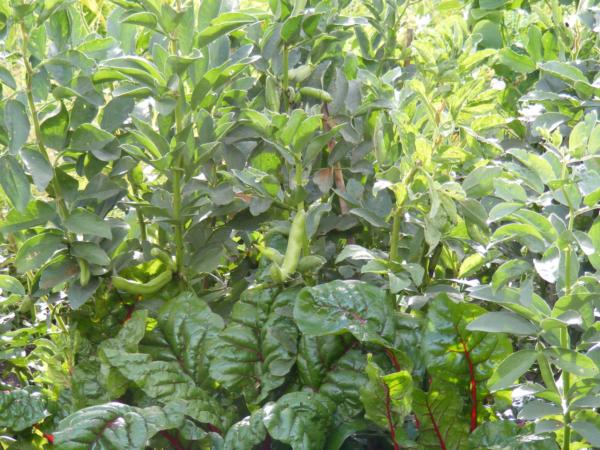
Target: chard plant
299	224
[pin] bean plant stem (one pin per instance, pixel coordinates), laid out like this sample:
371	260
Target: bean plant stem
285	78
142	224
61	206
177	214
177	170
397	218
564	332
395	236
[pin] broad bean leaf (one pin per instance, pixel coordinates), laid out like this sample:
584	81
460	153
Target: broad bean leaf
505	434
17	125
14	182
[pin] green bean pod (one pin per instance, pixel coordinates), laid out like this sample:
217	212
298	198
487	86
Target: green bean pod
310	263
84	272
150	287
319	94
295	244
163	256
270	253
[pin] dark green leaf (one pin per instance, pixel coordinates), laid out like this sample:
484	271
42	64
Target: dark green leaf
345	306
20	409
54	129
299	419
85	222
14	182
11	284
17	124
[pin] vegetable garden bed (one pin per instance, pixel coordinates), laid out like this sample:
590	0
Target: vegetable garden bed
299	224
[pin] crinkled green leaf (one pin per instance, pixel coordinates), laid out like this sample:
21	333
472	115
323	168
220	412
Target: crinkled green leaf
299	419
441	418
111	426
346	306
20	409
446	341
164	380
256	351
247	433
386	397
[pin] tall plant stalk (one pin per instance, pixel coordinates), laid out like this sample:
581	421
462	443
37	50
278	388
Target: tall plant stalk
60	203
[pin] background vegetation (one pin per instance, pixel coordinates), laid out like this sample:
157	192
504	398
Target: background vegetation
299	224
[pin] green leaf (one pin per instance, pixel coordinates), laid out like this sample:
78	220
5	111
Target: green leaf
170	363
291	28
526	234
589	429
89	138
37	250
510	369
386	394
223	24
491	4
85	222
506	434
325	364
247	433
14	182
116	113
594	234
255	352
516	62
11	284
564	71
299	419
104	427
38	166
57	272
90	252
55	128
17	125
144	18
7	78
77	295
503	322
536	163
442	424
346	306
340	433
20	409
572	361
582	304
538	409
490	33
509	271
37	213
447	339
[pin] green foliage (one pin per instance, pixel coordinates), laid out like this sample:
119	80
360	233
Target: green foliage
299	224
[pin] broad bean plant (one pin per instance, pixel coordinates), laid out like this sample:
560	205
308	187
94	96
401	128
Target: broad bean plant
299	224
